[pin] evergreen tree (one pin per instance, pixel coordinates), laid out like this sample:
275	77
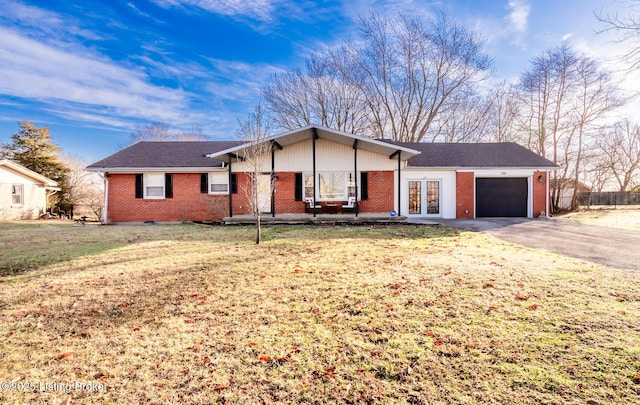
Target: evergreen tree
33	148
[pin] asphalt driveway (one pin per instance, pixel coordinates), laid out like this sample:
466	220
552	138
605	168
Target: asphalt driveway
619	248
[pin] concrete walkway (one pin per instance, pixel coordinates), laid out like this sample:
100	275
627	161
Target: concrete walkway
618	248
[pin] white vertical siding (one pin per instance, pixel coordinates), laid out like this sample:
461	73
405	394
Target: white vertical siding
447	189
330	156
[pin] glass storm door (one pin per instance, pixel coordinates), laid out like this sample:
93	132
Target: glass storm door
424	197
433	197
415	197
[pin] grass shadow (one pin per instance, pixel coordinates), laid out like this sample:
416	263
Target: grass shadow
29	247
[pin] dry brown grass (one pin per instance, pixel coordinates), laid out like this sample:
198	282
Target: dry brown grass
189	314
623	218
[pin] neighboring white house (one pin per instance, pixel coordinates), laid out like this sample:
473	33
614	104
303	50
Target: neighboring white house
23	192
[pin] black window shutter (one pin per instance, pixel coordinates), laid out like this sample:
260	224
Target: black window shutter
298	196
168	185
138	185
364	186
234	183
204	183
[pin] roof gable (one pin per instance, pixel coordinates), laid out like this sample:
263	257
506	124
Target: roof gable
18	168
307	132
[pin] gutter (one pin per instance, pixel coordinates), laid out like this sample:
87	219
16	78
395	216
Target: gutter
165	169
105	212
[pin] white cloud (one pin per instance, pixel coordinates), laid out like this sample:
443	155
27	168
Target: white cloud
70	73
247	80
519	15
260	10
42	23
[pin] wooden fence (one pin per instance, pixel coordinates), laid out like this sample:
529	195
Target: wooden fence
609	198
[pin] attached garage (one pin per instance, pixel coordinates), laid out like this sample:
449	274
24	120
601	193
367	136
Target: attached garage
501	197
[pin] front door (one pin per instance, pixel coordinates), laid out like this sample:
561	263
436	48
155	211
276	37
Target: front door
424	197
264	192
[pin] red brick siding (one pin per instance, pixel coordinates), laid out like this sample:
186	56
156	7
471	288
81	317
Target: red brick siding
284	190
465	184
286	195
539	194
187	203
381	192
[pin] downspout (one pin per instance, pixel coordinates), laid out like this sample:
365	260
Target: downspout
546	192
105	210
230	190
399	179
272	180
313	149
355	172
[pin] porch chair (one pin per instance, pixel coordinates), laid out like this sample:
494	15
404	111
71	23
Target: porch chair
311	206
350	205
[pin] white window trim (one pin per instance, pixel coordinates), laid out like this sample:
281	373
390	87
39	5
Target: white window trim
344	197
153	180
423	196
218	179
21	203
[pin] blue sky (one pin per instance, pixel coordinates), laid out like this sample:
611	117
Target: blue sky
91	70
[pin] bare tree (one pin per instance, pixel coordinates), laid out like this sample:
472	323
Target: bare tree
627	29
566	97
502	115
407	70
315	96
254	132
619	154
161	131
391	82
190	134
85	189
465	120
596	96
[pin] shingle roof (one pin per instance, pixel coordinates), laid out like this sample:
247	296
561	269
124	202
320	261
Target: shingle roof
165	155
475	155
187	154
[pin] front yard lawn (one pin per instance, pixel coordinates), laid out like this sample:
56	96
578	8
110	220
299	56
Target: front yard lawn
625	217
397	314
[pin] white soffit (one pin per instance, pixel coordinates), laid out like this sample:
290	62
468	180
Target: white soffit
302	134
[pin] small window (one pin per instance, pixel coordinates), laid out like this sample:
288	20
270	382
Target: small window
16	194
218	183
308	185
154	185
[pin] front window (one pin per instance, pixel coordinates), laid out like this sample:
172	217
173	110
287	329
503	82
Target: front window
16	194
330	186
154	185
